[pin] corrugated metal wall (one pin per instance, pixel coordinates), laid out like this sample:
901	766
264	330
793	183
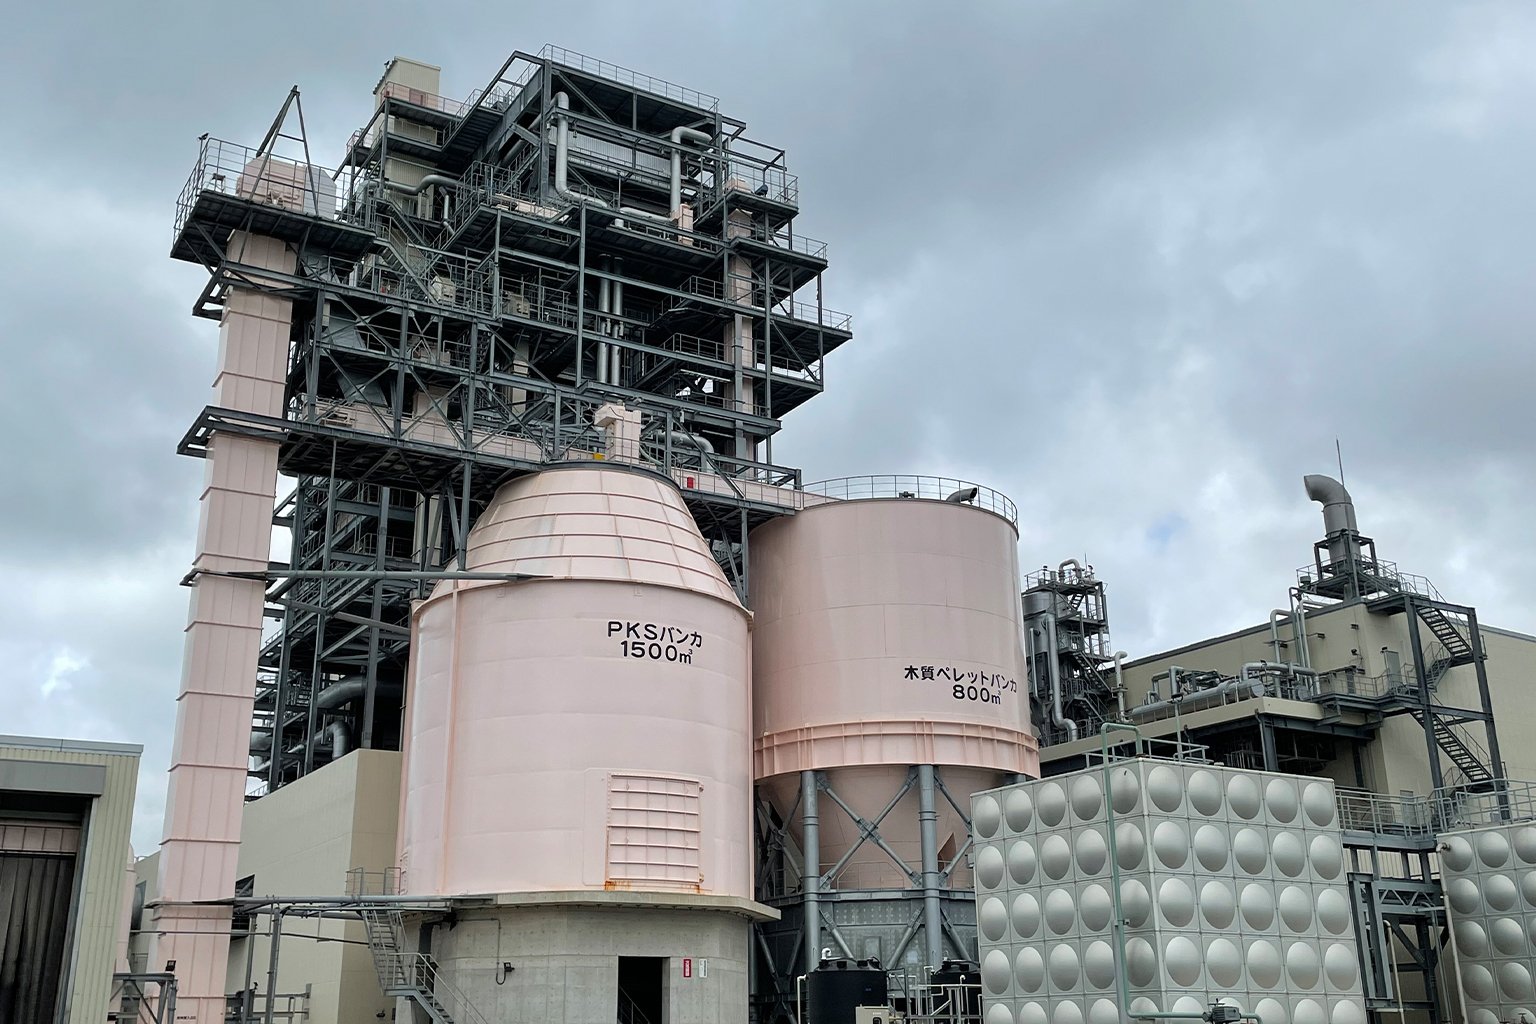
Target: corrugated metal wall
36	890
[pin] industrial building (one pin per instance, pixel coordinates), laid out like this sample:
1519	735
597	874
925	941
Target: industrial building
66	872
568	703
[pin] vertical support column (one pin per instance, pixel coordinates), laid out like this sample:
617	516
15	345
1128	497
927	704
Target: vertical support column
1485	700
206	796
810	881
1475	639
1267	744
739	340
933	913
1416	643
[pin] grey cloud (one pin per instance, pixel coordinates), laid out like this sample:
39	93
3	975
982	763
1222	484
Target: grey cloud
1137	265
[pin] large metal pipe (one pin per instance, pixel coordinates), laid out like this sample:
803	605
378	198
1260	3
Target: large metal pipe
810	880
1119	659
341	739
421	186
1058	719
1299	627
1275	615
1339	527
933	912
1196	699
679	136
563	155
1338	507
346	691
701	444
1029	659
604	307
616	304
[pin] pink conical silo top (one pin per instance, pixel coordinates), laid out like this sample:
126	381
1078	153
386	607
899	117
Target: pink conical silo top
596	523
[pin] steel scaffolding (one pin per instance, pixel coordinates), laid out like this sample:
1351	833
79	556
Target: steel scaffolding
471	283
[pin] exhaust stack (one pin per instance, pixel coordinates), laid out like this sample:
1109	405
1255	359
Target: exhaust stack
1341	532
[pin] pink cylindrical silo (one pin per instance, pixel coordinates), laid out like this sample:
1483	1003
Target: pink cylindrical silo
887	635
586	728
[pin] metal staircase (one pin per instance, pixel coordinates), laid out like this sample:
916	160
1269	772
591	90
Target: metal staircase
1469	758
1452	647
414	976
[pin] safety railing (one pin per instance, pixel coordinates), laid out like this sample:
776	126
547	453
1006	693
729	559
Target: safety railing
624	76
767	181
230	169
363	882
688	344
1377	571
1379	813
706	287
1363	687
810	313
813	247
1498	802
1126	746
929	488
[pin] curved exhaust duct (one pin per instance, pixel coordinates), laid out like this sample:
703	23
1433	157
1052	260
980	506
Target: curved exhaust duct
1338	508
679	136
421	186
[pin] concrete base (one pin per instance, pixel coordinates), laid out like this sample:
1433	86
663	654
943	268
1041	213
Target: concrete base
565	961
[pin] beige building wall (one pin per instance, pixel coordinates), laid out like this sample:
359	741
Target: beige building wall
1350	635
301	841
97	919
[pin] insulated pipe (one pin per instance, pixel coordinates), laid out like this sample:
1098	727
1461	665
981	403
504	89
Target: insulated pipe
1200	698
341	739
1119	657
604	307
617	305
1275	616
1061	569
1029	659
1265	668
1341	533
563	155
347	690
261	740
810	876
1300	627
1338	508
933	914
421	186
705	449
1057	718
679	135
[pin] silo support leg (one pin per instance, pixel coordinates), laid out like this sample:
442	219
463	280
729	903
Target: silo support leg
810	820
933	913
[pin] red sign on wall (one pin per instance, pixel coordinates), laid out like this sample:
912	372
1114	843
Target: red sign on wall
687	966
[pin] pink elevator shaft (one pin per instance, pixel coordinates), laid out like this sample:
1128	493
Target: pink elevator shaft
201	842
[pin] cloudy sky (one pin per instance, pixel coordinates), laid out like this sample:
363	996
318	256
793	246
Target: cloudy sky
1137	265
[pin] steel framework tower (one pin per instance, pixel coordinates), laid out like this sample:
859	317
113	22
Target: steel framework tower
468	287
449	308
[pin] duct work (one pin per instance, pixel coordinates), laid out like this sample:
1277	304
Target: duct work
1339	526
